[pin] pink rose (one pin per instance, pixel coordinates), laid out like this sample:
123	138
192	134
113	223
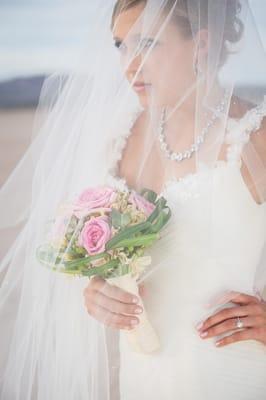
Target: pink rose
94	235
95	198
141	203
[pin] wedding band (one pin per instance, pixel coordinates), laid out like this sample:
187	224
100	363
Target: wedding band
239	323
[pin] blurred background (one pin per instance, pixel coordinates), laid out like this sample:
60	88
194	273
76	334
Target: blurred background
37	37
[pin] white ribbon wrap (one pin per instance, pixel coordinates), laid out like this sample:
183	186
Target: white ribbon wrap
143	338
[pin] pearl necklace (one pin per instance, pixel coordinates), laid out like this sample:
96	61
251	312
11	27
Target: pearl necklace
195	146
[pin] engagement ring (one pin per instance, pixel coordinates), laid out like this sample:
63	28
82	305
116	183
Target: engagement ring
239	323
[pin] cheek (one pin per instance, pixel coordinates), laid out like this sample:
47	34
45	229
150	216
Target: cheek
170	70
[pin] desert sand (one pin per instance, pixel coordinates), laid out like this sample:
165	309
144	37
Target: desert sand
15	133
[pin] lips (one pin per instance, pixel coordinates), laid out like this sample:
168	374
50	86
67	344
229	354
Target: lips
139	86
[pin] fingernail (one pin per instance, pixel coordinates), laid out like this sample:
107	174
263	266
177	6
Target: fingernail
135	300
204	334
218	343
138	310
134	322
199	325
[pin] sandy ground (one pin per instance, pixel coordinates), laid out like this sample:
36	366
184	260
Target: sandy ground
15	132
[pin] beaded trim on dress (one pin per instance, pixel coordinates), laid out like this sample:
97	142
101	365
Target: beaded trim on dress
238	132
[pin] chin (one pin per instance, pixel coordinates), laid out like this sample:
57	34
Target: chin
144	101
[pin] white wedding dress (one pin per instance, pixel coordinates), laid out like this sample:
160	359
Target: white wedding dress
188	367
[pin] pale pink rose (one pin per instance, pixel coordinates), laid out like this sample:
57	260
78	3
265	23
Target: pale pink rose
94	235
102	196
141	203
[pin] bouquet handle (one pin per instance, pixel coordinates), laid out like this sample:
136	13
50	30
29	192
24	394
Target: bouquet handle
143	338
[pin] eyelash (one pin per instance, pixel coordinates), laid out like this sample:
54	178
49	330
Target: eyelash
117	43
148	43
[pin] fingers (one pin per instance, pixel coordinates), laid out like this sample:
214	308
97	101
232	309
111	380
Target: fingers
241	298
110	319
234	297
230	325
142	290
227	313
247	334
100	284
115	306
111	305
249	309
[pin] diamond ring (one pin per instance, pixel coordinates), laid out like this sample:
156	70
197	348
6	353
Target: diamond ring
239	323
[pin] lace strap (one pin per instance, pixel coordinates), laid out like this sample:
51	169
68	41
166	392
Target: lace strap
239	130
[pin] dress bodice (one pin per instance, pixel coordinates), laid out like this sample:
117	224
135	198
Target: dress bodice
213	213
238	133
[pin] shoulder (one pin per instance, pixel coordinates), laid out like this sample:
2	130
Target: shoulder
253	121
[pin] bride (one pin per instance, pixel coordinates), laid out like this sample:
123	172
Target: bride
183	125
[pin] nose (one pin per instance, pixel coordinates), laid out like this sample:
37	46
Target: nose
133	68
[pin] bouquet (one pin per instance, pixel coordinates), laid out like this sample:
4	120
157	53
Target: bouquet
105	232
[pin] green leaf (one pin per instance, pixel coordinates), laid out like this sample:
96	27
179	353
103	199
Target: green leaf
75	264
161	221
48	256
143	240
168	215
127	233
119	220
100	271
149	195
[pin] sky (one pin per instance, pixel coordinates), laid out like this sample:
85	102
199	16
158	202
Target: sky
41	36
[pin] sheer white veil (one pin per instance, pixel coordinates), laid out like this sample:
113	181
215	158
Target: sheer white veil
82	124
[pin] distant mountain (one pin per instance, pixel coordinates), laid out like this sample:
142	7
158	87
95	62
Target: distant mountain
25	92
21	92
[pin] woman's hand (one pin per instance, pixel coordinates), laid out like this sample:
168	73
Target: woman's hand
250	314
111	305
